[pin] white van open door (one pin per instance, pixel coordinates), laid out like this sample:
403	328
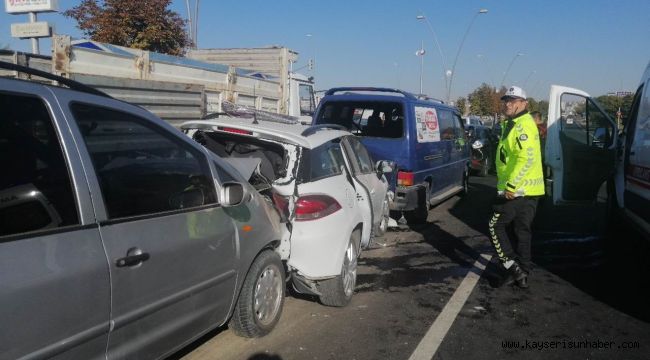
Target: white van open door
580	145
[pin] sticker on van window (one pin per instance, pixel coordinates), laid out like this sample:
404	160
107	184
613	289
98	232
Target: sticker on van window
426	121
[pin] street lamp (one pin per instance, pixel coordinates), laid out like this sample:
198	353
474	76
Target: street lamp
312	63
421	53
528	78
460	47
508	69
446	71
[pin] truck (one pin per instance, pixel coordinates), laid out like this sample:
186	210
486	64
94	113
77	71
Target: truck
586	152
274	61
175	88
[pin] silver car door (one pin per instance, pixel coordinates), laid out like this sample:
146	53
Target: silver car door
54	292
171	248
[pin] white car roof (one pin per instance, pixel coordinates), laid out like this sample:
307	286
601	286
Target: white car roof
291	133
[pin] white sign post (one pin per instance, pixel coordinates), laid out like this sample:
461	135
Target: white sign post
31	7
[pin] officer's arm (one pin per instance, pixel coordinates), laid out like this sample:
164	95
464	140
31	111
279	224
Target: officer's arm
526	143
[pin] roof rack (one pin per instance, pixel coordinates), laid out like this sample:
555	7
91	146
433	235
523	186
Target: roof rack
332	91
74	85
244	111
316	128
428	98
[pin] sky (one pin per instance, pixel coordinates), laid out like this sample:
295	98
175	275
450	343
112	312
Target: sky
595	45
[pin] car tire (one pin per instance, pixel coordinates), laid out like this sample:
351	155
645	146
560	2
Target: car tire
381	229
261	299
338	291
485	167
421	212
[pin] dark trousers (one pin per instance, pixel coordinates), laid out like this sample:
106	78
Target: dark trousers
516	215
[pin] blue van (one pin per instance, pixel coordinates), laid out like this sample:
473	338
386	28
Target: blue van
424	137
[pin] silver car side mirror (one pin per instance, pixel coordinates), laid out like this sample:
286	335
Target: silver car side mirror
233	194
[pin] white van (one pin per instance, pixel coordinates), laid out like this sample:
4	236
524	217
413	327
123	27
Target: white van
584	151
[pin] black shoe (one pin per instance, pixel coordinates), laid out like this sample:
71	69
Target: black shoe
523	282
517	276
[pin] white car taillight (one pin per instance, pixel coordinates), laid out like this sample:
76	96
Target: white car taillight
312	207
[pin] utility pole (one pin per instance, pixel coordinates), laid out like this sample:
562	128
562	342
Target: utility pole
421	53
193	22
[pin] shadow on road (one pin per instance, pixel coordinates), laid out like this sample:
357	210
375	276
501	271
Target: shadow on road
610	264
263	356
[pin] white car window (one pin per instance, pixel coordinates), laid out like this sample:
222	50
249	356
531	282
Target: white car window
323	161
364	163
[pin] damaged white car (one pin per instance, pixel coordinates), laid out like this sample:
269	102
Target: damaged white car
332	197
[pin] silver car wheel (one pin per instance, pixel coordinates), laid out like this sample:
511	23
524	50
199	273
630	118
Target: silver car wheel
350	269
268	295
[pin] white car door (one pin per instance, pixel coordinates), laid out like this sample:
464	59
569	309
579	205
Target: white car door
366	180
580	145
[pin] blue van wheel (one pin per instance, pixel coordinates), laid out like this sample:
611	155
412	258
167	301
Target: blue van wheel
420	214
465	183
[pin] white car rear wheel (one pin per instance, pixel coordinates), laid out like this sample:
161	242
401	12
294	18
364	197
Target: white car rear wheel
338	291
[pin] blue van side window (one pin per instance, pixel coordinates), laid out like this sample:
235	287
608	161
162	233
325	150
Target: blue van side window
373	119
446	121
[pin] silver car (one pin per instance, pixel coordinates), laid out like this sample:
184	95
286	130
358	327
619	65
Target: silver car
121	238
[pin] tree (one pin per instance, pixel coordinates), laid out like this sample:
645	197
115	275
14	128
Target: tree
461	104
484	101
611	105
144	24
542	107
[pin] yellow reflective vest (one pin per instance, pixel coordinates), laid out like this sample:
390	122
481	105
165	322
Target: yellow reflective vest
519	158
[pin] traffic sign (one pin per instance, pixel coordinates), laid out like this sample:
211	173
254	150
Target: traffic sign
25	6
31	30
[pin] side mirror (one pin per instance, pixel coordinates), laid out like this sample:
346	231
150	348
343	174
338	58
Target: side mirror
384	166
477	144
233	194
187	199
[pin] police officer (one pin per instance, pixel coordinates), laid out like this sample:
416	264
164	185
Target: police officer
520	183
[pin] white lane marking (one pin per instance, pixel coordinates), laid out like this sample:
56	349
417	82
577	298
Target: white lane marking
436	333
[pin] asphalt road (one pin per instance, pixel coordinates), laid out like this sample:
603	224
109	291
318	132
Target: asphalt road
585	301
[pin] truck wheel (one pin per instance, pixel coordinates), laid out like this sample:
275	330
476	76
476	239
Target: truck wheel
261	299
338	291
420	214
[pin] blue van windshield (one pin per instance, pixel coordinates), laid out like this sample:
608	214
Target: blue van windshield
365	118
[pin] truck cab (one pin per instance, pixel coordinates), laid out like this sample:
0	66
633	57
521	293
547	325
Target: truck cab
585	150
301	97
